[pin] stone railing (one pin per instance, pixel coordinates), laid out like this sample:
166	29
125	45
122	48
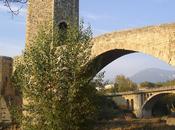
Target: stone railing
168	88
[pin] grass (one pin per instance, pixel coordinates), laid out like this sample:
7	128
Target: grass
135	124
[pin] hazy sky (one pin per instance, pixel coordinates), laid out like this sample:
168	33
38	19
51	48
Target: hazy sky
104	16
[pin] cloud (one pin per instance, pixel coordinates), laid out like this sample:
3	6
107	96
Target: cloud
3	8
8	18
95	17
22	9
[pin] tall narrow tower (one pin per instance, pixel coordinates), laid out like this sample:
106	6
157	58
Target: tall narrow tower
59	12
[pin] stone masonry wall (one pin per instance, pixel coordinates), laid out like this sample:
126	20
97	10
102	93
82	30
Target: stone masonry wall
6	89
66	11
157	41
39	11
5	74
50	11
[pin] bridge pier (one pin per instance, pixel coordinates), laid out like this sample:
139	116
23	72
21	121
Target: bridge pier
138	113
146	113
135	102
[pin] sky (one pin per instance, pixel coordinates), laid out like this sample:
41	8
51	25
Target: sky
103	16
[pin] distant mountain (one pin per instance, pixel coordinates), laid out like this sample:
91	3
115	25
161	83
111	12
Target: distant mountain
153	75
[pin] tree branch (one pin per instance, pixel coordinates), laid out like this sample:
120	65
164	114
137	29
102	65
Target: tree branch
14	12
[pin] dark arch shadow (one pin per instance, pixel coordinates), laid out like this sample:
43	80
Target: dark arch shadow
147	108
62	26
99	62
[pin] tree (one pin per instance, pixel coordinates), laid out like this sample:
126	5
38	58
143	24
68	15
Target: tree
147	84
50	75
167	83
123	84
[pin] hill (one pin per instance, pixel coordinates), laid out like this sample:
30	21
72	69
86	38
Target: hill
153	75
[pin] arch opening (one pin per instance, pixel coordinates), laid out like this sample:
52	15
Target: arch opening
99	62
102	60
160	109
62	26
159	105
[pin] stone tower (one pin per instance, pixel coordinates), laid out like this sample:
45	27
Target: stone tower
60	12
6	89
5	74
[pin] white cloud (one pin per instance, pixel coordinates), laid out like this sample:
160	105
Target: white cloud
3	8
92	17
13	19
95	17
14	7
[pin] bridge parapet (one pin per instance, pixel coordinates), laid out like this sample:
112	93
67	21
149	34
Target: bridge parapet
152	90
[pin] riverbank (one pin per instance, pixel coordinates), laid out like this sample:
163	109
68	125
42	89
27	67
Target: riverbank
135	124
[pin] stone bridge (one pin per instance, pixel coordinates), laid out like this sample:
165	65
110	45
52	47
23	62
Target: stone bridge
157	41
141	102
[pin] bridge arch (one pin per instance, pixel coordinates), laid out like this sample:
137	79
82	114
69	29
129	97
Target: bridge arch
157	41
99	62
147	107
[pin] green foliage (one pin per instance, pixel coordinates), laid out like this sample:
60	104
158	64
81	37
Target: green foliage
147	85
123	84
166	84
107	108
57	96
157	85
